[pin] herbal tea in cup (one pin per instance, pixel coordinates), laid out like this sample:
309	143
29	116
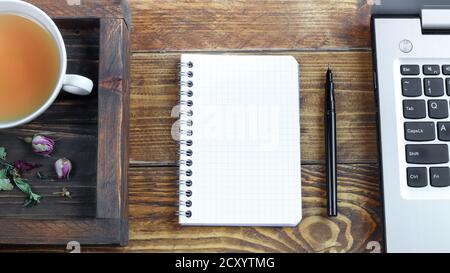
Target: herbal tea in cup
33	63
29	67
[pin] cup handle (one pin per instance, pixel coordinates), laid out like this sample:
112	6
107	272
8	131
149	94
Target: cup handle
77	85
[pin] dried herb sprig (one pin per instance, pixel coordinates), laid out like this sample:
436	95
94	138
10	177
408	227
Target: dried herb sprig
64	193
9	172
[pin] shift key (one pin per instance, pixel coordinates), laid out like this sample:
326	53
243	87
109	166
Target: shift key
427	153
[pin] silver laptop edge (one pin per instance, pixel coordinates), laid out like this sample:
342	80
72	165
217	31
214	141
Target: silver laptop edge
416	219
407	7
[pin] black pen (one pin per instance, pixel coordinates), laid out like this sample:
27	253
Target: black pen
330	144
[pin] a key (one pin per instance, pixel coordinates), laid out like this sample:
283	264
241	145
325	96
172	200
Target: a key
410	69
411	87
446	69
434	87
419	131
417	177
427	153
431	69
447	81
414	109
443	131
440	176
438	109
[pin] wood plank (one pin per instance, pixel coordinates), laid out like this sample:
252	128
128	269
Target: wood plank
113	124
59	231
155	92
81	147
161	25
114	9
154	226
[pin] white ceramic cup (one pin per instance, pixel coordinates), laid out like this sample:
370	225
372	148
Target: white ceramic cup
74	84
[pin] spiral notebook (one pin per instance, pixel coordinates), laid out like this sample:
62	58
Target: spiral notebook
239	141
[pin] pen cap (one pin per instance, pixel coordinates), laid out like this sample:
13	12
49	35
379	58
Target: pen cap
329	89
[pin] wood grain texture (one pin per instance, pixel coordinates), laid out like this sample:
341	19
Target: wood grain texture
78	145
49	231
113	124
154	226
113	9
316	33
162	25
155	92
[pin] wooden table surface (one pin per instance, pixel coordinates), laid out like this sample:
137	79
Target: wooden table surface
316	32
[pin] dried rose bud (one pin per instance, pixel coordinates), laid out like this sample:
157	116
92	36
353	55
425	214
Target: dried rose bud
42	145
23	166
63	166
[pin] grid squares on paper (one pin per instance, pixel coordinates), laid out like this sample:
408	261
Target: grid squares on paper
246	138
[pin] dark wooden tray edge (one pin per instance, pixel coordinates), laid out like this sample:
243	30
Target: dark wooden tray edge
61	232
114	98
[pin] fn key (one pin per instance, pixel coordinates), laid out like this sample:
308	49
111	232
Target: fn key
440	177
427	153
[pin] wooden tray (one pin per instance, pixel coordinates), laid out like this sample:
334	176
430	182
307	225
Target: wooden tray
91	131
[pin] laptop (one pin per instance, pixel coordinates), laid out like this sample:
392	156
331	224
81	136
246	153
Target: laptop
411	53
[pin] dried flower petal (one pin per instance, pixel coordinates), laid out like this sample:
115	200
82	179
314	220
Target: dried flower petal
63	166
42	145
23	166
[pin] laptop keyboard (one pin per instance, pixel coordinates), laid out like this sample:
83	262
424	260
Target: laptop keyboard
426	94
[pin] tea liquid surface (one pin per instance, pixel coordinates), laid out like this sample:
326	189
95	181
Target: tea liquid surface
29	67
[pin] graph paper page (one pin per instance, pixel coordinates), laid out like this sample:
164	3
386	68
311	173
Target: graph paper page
246	141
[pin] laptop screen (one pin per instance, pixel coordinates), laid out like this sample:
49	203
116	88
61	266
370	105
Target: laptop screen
406	6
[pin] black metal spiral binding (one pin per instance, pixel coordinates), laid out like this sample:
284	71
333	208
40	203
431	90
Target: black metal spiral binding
185	153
